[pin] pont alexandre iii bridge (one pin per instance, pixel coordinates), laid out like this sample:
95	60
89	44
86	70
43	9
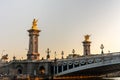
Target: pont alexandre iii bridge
92	65
73	65
88	65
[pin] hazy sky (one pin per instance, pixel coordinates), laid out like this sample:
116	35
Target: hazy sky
63	23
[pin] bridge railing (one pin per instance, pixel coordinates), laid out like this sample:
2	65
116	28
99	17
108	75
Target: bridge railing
67	64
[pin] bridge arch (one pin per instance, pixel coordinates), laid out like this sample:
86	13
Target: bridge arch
19	69
42	70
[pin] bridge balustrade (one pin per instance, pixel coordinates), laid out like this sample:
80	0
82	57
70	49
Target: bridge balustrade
68	64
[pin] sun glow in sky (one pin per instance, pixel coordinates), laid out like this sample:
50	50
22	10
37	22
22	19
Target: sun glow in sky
63	23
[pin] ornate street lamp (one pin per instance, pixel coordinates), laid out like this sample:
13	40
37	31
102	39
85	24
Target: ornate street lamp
14	58
62	53
73	51
55	55
48	51
102	47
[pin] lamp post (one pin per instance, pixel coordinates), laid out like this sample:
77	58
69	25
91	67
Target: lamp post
73	51
55	55
48	51
102	47
62	53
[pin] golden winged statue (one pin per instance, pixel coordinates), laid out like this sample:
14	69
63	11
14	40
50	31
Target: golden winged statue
87	37
35	22
34	25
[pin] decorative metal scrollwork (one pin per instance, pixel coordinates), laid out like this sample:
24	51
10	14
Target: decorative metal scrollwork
90	61
65	63
97	60
82	62
70	63
59	63
76	62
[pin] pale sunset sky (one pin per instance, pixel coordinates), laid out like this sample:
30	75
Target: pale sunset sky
63	23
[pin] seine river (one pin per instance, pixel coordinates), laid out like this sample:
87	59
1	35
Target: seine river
75	78
95	78
112	78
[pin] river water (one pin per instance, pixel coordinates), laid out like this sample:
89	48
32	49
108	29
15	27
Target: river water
98	78
112	78
93	78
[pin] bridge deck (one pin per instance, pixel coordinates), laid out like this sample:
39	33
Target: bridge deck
90	65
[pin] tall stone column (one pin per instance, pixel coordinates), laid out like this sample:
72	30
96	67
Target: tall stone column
86	45
33	42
